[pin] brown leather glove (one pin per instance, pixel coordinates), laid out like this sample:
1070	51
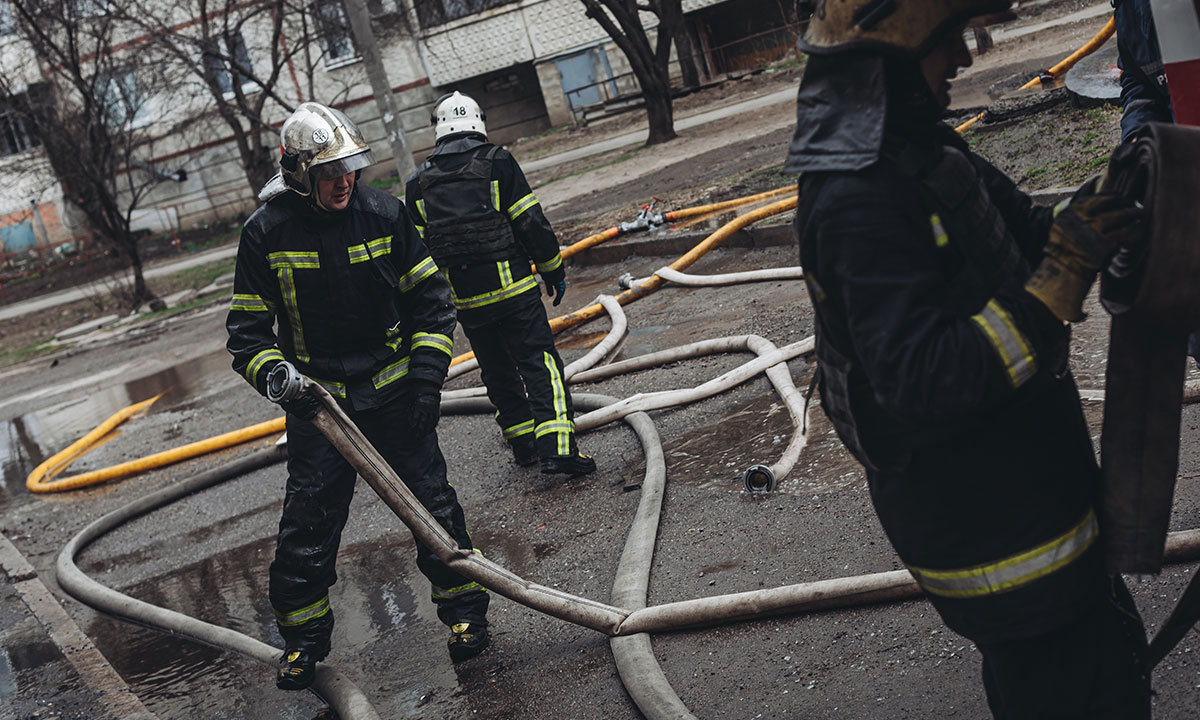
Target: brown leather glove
1084	236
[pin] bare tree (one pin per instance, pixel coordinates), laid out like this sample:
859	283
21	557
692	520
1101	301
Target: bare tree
86	103
620	20
254	61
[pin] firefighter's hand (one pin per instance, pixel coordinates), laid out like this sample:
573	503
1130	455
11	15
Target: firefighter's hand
1084	236
283	388
424	411
556	290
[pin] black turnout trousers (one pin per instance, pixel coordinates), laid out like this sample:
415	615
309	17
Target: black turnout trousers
320	487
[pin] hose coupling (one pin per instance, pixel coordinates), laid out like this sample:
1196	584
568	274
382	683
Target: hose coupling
284	383
625	282
759	479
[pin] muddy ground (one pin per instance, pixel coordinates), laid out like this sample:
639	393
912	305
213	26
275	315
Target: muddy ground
207	554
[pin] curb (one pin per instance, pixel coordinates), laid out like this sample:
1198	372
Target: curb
113	696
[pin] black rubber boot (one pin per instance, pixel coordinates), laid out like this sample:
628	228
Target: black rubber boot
298	672
466	641
525	452
573	465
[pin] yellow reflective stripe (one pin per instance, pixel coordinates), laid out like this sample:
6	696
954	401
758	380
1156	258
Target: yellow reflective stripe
516	431
940	237
333	387
521	206
1010	344
421	209
303	615
420	230
420	271
391	373
358	253
380	246
260	359
496	195
1012	572
560	407
440	593
289	259
288	284
505	272
435	341
1060	207
553	263
523	285
248	303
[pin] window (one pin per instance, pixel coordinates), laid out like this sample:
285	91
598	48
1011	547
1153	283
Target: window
14	134
122	98
431	13
334	26
229	66
8	23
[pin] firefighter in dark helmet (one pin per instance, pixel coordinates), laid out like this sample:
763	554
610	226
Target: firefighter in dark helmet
361	310
942	299
485	227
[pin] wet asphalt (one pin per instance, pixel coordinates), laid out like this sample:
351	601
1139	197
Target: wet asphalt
207	554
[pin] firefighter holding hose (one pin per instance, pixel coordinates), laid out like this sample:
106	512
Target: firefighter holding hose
362	311
483	225
942	298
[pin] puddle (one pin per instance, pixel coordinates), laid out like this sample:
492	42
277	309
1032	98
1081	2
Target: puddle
26	441
383	611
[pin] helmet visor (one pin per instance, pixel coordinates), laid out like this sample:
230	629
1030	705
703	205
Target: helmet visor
342	166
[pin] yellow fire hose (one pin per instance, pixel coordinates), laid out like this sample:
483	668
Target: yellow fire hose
1060	69
41	480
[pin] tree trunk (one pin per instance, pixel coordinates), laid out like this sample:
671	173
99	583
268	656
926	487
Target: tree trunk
687	56
660	114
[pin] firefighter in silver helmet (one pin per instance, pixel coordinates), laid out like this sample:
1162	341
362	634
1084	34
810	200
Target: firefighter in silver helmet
484	226
942	298
363	311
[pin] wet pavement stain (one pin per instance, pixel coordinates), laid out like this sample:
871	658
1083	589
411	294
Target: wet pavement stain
27	440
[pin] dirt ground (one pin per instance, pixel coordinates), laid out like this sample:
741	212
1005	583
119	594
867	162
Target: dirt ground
206	555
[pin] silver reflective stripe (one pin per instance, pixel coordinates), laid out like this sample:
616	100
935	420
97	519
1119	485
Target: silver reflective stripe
1014	350
304	614
523	285
285	259
248	303
391	373
516	431
435	341
333	387
440	593
520	206
940	237
553	263
565	428
259	360
1012	572
358	253
420	271
380	246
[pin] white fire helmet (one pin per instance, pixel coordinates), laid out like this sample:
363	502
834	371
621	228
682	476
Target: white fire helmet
319	142
457	114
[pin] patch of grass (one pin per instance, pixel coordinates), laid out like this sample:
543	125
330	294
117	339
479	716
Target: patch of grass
44	346
1099	162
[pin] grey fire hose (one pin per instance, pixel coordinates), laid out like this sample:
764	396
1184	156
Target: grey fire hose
333	687
1151	292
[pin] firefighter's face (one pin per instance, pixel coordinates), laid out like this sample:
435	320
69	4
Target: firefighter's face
334	193
941	64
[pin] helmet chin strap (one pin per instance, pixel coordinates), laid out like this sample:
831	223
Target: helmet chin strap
314	197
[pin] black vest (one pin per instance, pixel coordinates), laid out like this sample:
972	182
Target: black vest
464	227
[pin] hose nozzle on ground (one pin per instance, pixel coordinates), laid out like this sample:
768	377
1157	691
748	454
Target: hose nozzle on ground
759	479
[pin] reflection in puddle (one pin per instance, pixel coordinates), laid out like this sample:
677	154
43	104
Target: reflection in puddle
28	440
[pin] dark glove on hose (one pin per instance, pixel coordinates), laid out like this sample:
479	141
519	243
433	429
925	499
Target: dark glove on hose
280	375
424	411
1084	236
556	291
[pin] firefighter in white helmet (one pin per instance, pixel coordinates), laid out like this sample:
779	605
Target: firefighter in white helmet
362	310
941	298
484	226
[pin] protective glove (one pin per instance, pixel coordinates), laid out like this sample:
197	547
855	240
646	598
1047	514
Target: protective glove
282	388
424	411
1084	236
560	288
